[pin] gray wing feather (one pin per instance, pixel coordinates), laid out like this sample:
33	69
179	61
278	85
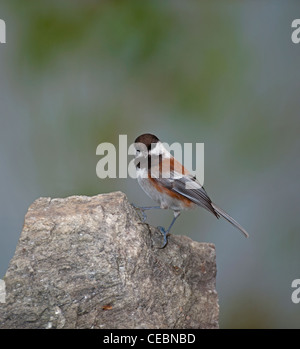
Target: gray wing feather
190	188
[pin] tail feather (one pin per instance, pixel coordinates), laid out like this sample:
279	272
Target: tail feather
230	219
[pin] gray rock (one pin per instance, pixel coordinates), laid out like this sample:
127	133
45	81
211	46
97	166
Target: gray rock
90	262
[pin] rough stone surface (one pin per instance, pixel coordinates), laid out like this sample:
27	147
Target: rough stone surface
90	262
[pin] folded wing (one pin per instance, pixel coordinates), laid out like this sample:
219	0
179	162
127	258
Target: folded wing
189	187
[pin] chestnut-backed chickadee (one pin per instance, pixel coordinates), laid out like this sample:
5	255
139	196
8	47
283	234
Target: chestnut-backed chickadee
168	183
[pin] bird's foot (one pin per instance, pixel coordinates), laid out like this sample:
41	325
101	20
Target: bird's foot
165	234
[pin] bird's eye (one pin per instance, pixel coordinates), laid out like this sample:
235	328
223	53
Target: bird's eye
138	151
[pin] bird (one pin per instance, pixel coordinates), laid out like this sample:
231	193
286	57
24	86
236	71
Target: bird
167	182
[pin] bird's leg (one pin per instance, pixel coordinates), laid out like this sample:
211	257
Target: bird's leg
166	232
143	209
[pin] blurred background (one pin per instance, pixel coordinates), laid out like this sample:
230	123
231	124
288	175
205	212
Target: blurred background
76	74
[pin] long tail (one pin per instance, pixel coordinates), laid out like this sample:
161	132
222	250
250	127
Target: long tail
230	219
